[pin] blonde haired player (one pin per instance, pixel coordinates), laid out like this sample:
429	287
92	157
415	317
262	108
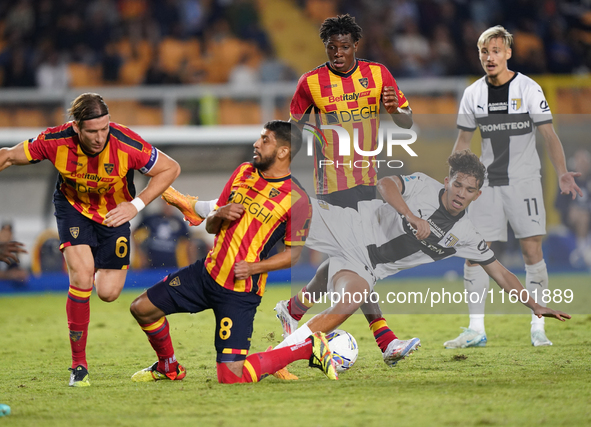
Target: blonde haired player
508	107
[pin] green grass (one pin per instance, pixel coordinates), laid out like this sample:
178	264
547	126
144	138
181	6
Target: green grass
507	383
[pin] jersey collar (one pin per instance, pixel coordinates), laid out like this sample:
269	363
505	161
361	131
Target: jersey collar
445	212
348	73
504	85
274	178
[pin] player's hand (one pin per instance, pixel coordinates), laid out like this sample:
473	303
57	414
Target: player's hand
390	99
567	184
124	212
548	312
242	270
230	212
9	251
423	228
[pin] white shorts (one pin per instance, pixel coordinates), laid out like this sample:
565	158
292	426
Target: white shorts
337	232
522	204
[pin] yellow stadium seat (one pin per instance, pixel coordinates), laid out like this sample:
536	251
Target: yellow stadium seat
84	75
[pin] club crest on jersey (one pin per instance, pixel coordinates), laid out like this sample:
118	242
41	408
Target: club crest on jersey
364	82
109	168
175	282
516	103
74	231
450	241
75	335
323	204
273	193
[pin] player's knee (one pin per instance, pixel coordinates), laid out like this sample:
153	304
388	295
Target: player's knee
82	279
140	311
109	296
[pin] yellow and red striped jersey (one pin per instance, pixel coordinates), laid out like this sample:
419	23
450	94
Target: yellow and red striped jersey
93	184
274	209
350	100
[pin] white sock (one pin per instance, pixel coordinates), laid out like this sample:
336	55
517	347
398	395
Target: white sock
204	207
476	281
536	279
299	335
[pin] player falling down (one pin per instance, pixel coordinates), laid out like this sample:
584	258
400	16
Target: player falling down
260	205
393	349
421	221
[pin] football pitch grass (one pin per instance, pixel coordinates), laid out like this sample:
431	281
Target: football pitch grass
509	382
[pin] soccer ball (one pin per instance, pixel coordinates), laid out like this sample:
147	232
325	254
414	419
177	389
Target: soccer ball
344	347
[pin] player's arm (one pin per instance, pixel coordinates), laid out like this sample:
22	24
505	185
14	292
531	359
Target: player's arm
401	116
390	190
509	282
162	175
566	179
290	256
13	156
463	140
229	212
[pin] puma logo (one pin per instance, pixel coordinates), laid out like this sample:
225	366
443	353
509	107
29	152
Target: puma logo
537	283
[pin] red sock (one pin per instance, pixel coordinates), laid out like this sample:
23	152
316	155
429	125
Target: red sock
78	311
259	365
382	333
159	337
299	304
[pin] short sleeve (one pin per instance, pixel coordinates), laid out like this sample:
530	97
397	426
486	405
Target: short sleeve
389	80
227	191
466	119
36	149
299	217
475	249
412	184
301	102
538	107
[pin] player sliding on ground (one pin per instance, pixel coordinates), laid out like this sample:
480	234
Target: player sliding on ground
422	221
231	279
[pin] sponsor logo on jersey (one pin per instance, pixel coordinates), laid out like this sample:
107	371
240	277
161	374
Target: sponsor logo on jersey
330	86
175	282
544	106
253	207
92	177
274	193
497	106
364	82
450	240
435	229
348	96
504	126
516	103
109	168
74	231
482	246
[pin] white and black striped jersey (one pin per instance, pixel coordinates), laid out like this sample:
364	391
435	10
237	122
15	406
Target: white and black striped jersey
506	116
391	243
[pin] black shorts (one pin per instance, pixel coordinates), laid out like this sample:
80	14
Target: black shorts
192	290
349	198
110	246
